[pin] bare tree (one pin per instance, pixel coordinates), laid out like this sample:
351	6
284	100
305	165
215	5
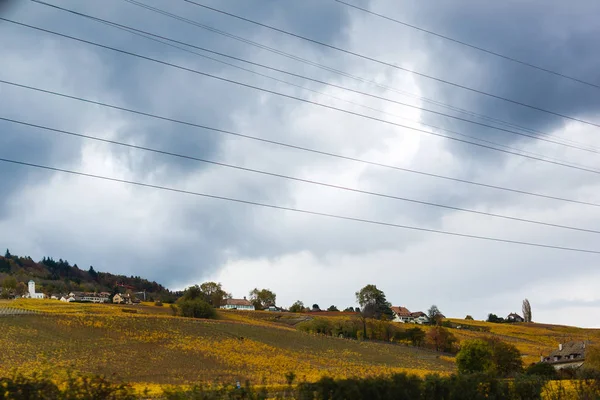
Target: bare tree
526	310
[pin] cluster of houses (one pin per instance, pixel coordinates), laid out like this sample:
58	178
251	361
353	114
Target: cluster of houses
82	297
404	315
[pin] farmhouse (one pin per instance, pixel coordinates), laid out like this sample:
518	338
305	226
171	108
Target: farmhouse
237	304
419	317
402	314
513	317
568	355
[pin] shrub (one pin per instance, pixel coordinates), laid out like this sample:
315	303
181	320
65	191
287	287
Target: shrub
544	370
195	308
474	356
490	356
38	387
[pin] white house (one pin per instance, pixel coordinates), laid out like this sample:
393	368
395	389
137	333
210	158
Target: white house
237	304
419	317
402	314
32	293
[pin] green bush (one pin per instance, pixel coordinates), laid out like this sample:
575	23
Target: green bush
489	355
544	370
195	308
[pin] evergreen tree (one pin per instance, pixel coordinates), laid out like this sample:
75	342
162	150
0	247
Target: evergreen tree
7	254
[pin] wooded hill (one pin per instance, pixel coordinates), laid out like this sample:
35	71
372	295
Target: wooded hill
59	277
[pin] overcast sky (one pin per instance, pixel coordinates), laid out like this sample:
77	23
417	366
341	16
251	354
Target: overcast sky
179	240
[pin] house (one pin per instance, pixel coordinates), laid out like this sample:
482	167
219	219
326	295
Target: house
402	314
89	297
119	299
568	355
419	317
513	317
32	293
237	304
272	308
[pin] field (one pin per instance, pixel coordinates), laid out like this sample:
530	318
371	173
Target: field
153	347
150	347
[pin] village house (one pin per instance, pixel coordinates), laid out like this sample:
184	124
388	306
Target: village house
513	317
402	314
121	298
568	355
237	304
89	297
419	317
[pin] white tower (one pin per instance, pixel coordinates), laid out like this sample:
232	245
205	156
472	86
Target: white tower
31	289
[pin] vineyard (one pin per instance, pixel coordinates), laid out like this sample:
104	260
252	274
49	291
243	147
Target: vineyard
147	346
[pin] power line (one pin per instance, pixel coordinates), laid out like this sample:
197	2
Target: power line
298	98
144	34
327	68
292	178
301	148
298	210
392	65
494	53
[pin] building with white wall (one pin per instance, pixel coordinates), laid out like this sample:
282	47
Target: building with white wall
32	293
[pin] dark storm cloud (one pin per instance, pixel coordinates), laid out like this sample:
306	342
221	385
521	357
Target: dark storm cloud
559	36
196	228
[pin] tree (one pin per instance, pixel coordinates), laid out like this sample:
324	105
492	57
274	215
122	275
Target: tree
213	293
469	318
526	310
543	370
440	338
474	356
21	289
92	273
192	304
495	319
592	357
489	355
435	315
298	306
370	295
349	309
7	254
416	336
506	358
262	298
316	307
10	283
332	308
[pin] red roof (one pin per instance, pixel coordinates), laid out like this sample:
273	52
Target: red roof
401	311
418	314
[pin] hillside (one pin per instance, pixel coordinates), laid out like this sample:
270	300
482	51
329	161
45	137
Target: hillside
146	345
61	277
152	346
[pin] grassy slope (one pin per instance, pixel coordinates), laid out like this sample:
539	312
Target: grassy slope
152	346
531	339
